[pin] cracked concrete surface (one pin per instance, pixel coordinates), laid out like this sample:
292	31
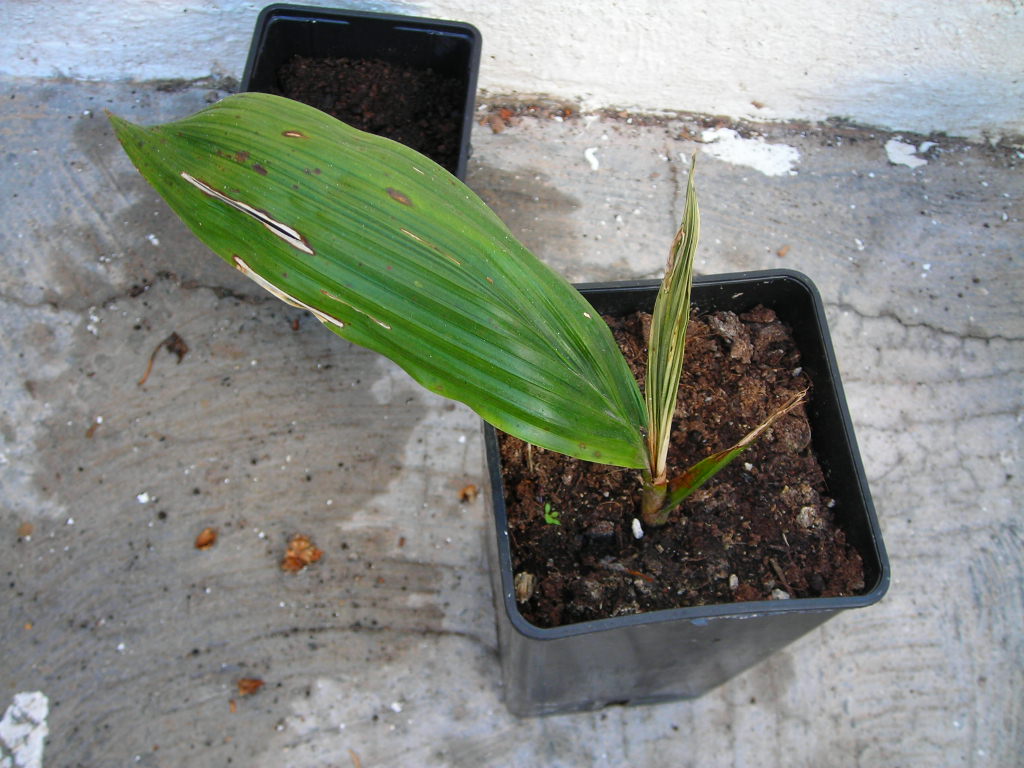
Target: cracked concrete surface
384	652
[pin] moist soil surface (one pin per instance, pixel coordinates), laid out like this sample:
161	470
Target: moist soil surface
761	529
417	107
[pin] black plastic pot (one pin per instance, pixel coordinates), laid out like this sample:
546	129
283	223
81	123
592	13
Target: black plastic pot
685	652
448	48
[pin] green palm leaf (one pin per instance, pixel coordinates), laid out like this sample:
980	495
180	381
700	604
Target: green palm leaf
393	253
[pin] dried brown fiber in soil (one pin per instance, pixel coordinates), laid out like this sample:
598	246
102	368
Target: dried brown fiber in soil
417	107
761	529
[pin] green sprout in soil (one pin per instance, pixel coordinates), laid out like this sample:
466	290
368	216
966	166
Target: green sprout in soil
551	516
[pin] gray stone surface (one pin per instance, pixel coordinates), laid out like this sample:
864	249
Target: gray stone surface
383	653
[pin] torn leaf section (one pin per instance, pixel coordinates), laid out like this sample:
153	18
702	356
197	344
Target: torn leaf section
286	233
256	277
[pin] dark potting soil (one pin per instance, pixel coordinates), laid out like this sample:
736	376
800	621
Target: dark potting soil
417	107
761	529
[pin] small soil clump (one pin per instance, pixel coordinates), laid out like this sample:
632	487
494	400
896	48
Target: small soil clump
761	529
417	107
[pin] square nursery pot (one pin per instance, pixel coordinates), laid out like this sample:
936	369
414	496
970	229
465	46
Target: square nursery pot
407	78
684	652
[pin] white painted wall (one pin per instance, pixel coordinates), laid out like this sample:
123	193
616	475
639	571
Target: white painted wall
913	65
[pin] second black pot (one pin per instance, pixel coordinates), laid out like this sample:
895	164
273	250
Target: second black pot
449	49
684	652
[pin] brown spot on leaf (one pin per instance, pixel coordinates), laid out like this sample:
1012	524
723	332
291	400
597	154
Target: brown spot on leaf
241	157
401	197
294	134
259	169
299	554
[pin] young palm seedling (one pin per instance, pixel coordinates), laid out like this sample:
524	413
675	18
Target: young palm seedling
393	253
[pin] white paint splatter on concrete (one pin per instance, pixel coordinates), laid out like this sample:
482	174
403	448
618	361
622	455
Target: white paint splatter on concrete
590	153
23	731
901	153
770	159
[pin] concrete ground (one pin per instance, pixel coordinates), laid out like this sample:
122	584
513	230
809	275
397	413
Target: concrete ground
126	643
